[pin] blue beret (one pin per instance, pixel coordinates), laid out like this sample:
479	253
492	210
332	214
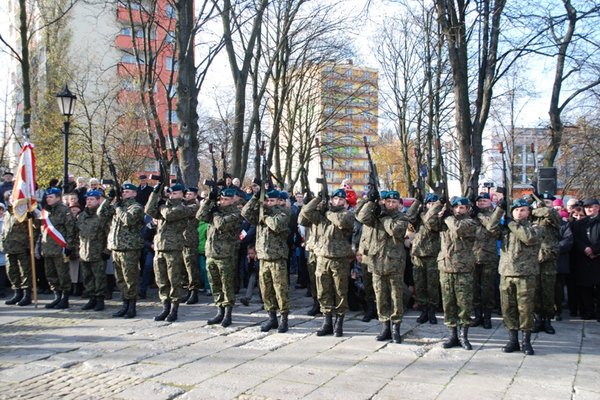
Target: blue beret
339	193
178	187
93	193
283	195
193	189
459	201
430	198
272	194
392	194
53	190
547	196
129	186
519	203
483	195
383	194
228	192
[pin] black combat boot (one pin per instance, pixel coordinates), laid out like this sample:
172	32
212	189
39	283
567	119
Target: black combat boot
464	338
432	317
315	309
131	311
227	318
548	328
385	333
193	299
424	316
537	323
396	337
327	327
371	312
91	303
338	329
55	301
165	311
526	343
99	303
17	296
283	323
172	317
513	342
271	323
478	319
185	297
122	310
487	319
217	318
452	340
64	301
26	300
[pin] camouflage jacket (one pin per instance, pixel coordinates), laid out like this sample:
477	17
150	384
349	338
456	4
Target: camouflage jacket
190	234
172	218
15	234
488	233
520	247
386	252
92	230
310	233
457	241
333	229
546	221
426	242
62	219
223	233
271	232
127	221
367	233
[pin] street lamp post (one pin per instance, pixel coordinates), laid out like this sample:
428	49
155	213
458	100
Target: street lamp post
66	104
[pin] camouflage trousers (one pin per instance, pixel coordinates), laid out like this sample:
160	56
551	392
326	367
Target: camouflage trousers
273	281
389	296
18	270
311	266
170	274
190	260
427	281
517	297
94	277
367	278
544	292
484	286
57	273
332	276
127	272
457	298
222	280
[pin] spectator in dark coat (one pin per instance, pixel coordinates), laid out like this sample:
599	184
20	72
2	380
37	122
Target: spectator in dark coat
563	276
144	191
586	233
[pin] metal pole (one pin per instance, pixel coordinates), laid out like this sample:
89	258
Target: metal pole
66	156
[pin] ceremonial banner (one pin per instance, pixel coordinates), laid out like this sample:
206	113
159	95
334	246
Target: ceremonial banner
23	195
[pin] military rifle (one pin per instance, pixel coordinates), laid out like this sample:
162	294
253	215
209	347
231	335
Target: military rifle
420	192
263	177
323	180
113	171
443	174
373	176
507	189
213	183
535	182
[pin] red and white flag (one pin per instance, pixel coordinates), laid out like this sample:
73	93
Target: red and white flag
23	195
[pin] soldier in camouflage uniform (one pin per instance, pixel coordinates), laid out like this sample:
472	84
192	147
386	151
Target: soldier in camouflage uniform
546	221
361	238
93	230
519	270
333	224
424	252
387	258
15	244
172	218
126	243
190	248
272	223
456	263
222	245
311	262
486	263
58	220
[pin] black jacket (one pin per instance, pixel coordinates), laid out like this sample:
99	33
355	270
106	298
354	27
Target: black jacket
586	233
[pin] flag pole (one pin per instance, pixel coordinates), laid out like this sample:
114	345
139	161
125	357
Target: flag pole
32	261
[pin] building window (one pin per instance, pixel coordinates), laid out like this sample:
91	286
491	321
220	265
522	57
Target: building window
171	64
125	31
348	86
329	83
349	175
349	124
127	84
172	91
130	59
329	176
170	38
173	116
170	11
348	111
349	73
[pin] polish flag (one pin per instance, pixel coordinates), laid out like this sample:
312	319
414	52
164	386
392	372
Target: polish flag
23	195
